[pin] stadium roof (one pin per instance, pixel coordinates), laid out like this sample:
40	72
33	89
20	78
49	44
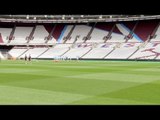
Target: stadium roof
73	18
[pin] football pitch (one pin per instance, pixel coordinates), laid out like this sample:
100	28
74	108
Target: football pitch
79	82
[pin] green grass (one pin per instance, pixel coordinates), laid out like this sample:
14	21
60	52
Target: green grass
82	82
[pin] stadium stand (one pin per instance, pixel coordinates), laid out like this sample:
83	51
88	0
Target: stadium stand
105	40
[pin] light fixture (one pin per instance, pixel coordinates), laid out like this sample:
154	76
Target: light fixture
100	17
27	17
63	17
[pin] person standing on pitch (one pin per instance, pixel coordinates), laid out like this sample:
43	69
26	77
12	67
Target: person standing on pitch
25	58
29	58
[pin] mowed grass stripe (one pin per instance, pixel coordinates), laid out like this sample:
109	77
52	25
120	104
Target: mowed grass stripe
14	77
19	95
149	92
99	100
118	77
71	85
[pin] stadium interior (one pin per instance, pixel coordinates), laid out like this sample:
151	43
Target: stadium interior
79	59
